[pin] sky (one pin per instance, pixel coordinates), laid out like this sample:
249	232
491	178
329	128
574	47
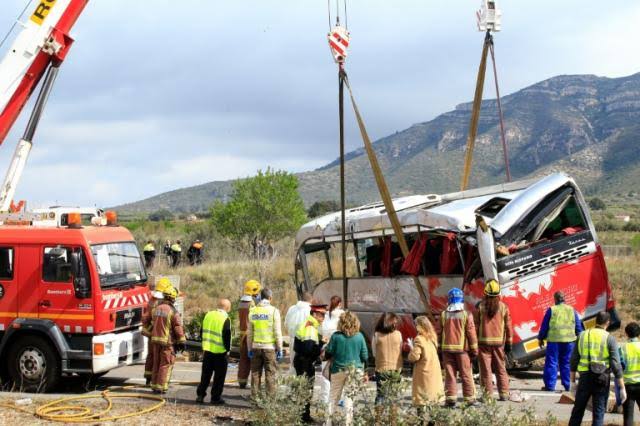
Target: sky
161	95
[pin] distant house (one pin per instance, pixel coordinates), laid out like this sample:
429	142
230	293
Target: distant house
623	217
194	218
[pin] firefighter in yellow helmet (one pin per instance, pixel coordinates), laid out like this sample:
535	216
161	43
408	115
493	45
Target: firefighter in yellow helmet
250	297
156	297
494	340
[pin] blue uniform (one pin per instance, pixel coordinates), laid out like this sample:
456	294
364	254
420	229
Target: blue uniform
558	354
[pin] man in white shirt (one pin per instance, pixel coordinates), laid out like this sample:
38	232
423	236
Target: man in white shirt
296	315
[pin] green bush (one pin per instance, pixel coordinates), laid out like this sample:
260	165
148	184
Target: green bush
286	406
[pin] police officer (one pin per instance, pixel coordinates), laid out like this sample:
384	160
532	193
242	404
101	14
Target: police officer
176	253
560	326
216	344
595	357
631	362
156	297
307	346
149	253
247	301
264	341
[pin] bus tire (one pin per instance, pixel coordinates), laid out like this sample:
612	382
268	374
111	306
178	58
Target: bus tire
33	364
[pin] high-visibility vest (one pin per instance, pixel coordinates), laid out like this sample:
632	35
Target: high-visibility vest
176	247
491	340
631	354
308	330
459	346
149	247
592	346
212	326
562	325
261	318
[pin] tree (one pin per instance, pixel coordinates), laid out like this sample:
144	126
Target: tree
264	207
160	215
597	204
320	208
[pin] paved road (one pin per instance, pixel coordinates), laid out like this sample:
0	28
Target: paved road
187	374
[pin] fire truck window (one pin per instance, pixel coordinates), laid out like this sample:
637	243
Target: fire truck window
56	265
6	263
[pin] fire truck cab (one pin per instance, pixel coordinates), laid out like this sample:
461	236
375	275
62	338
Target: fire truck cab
540	239
71	302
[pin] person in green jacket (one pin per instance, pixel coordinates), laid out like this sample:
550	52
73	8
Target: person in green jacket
346	348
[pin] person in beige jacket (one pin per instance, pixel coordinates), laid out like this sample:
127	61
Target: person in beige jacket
427	375
386	347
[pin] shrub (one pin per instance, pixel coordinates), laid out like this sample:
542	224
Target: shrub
597	204
286	406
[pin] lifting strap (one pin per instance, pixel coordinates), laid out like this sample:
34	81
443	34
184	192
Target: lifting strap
384	191
475	113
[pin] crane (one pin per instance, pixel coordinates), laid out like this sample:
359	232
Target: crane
37	52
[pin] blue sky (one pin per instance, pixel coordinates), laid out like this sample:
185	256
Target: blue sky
160	95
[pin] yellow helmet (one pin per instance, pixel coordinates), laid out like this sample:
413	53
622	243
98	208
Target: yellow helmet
252	287
162	284
492	288
170	293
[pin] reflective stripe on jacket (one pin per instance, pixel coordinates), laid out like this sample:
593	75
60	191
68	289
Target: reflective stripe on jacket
494	331
631	354
562	325
167	326
212	326
458	332
592	346
147	325
262	318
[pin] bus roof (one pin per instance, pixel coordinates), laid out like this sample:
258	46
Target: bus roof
501	205
14	234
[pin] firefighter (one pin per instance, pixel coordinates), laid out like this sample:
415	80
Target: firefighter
149	253
494	340
156	297
194	254
595	357
216	344
167	337
247	301
631	363
264	341
176	253
307	346
560	326
458	345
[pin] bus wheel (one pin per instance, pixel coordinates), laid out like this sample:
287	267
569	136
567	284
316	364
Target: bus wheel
33	364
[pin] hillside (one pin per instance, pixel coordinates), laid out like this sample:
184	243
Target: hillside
585	125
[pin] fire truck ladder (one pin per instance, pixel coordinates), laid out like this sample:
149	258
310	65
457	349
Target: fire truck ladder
477	102
338	43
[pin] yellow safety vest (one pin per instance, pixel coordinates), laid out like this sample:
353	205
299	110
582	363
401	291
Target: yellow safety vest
176	247
261	318
631	354
212	326
562	325
592	346
308	330
149	247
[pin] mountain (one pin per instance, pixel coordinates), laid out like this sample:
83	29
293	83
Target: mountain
584	125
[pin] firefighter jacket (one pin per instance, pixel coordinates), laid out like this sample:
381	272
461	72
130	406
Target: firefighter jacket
631	361
457	332
216	332
147	326
494	331
246	303
265	330
167	325
307	340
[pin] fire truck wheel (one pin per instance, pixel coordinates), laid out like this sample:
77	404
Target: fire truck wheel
33	364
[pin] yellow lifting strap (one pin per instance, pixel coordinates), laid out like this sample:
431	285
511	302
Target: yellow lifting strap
384	192
475	114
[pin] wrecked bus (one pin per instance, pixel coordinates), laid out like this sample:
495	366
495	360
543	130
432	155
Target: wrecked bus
540	239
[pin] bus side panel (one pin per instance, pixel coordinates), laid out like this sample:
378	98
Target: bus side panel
584	283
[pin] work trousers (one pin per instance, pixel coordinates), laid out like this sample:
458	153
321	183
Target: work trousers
263	359
557	357
338	382
491	360
163	359
148	363
216	365
306	367
633	398
458	363
244	366
587	388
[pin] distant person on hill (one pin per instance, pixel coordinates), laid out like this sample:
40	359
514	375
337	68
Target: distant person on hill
149	253
194	254
166	250
176	253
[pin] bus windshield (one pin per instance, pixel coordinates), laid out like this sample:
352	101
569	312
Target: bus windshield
119	264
